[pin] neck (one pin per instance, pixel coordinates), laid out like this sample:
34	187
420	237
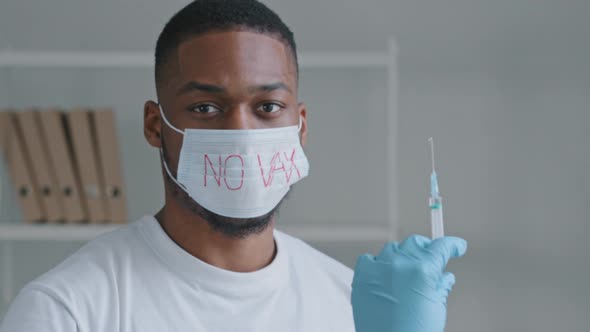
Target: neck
195	235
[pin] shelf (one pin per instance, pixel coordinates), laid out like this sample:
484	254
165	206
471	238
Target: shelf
53	232
344	59
324	232
336	232
49	59
75	59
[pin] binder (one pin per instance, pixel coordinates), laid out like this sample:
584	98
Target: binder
19	165
87	163
108	152
66	175
40	164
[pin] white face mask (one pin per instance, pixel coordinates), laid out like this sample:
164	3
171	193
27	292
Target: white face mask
239	173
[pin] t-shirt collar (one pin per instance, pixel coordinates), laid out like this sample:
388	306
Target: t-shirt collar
210	278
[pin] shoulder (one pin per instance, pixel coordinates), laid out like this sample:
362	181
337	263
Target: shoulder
325	282
38	309
314	261
95	267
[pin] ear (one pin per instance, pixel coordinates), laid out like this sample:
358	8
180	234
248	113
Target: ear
152	124
302	111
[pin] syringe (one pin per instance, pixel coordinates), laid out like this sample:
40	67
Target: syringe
435	202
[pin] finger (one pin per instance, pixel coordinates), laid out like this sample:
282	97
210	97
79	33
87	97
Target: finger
447	281
363	260
363	267
388	251
448	247
415	243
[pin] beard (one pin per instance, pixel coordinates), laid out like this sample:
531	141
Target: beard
230	227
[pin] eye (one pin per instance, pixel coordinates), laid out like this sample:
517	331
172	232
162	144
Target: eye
270	107
204	108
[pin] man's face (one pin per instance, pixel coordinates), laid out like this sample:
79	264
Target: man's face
224	80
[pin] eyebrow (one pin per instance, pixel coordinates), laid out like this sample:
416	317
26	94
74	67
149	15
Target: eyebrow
270	87
210	88
196	86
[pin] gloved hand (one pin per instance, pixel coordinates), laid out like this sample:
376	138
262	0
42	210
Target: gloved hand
405	288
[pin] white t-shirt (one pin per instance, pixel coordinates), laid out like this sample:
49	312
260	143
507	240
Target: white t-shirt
137	279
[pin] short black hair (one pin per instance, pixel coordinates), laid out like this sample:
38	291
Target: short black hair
202	16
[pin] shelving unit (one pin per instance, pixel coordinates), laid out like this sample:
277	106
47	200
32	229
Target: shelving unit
15	59
89	232
387	61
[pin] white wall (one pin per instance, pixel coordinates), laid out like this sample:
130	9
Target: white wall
502	85
511	157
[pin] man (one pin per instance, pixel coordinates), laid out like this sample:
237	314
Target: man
230	132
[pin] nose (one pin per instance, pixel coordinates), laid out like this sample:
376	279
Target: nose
239	117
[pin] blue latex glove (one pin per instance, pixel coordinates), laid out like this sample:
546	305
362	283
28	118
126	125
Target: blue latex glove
405	288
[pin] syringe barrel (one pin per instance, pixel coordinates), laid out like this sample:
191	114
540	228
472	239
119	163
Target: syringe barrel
436	217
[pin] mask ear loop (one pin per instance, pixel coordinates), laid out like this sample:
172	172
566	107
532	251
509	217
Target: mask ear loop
168	122
170	174
300	124
162	152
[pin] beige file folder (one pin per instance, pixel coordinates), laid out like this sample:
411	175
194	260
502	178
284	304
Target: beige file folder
19	167
60	155
85	158
41	165
108	148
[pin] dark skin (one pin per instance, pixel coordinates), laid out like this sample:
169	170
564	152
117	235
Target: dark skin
222	80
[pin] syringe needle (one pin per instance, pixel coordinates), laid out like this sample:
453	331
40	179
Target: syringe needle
431	141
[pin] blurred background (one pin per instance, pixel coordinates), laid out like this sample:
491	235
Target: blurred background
503	86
